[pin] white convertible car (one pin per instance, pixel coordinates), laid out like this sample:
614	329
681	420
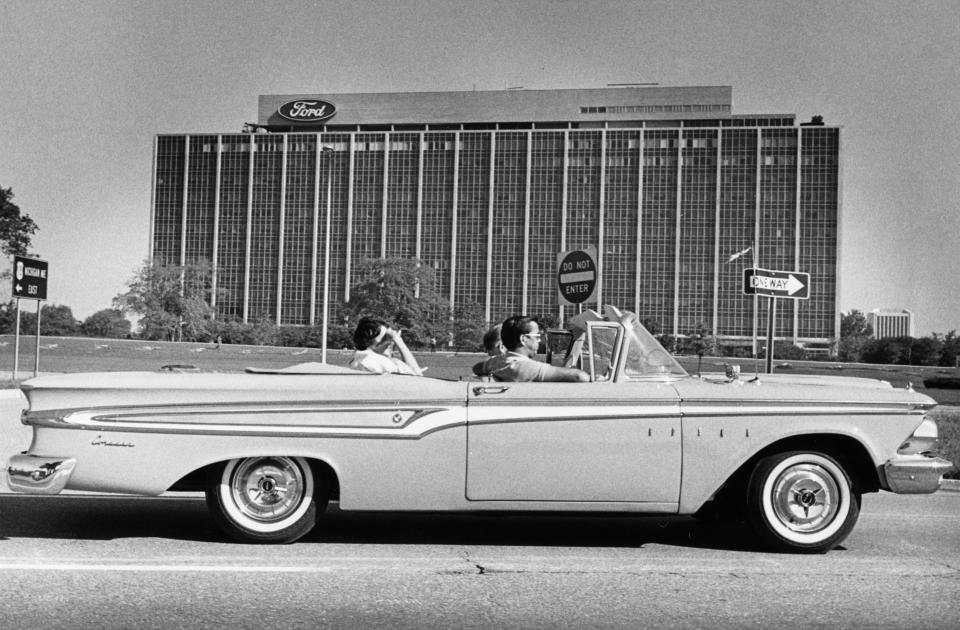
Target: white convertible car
792	454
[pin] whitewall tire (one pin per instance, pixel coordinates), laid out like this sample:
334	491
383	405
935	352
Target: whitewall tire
271	499
802	501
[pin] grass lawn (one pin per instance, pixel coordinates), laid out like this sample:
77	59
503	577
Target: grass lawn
948	422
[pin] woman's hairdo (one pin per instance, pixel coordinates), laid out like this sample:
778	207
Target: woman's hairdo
368	329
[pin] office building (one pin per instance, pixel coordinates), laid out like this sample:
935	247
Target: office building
891	323
487	187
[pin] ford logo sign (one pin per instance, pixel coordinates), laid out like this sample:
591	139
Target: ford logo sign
307	110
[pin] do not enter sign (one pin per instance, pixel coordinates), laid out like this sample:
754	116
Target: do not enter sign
577	275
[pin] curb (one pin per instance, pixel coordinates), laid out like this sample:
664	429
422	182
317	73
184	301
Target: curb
950	485
11	394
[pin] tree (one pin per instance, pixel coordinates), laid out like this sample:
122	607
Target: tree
469	326
701	342
787	350
854	324
15	228
403	292
547	321
855	336
171	300
55	320
652	325
8	317
109	323
950	348
926	351
889	350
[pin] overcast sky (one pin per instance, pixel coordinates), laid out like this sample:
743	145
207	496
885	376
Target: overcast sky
85	87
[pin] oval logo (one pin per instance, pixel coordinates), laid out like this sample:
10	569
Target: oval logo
307	110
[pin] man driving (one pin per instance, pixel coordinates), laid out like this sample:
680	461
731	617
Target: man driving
520	336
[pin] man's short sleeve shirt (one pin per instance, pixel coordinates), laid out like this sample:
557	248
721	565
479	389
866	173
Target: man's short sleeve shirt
511	366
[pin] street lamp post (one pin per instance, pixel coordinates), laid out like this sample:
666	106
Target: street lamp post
327	153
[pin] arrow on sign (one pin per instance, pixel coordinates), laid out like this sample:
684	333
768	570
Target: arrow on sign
794	285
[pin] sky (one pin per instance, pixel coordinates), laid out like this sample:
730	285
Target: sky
85	87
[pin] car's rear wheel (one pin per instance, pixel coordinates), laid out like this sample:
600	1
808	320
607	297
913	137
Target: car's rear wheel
265	499
802	501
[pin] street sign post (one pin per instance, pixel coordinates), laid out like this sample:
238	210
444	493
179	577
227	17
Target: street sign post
30	283
577	276
775	285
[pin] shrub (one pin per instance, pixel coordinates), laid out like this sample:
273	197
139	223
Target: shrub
942	382
948	423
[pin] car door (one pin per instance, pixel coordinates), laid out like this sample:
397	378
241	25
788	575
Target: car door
584	442
611	440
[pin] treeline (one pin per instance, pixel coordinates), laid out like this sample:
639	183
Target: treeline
58	321
857	345
170	304
935	350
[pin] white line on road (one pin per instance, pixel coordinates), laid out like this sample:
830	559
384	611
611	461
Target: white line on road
212	568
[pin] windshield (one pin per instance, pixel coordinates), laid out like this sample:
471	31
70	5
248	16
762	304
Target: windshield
606	340
645	358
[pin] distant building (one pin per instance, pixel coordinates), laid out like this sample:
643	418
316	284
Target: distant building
667	183
891	323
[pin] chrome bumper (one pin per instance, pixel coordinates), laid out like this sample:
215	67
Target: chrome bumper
39	475
915	474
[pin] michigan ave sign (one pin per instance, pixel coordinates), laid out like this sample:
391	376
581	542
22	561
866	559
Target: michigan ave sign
29	278
778	284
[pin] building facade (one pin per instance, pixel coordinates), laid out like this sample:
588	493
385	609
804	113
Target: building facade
488	187
891	323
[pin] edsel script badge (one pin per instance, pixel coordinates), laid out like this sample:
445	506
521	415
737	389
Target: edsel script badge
307	110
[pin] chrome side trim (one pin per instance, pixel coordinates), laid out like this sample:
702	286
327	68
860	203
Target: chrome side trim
915	474
657	413
794	408
401	417
139	423
288	406
38	475
582	401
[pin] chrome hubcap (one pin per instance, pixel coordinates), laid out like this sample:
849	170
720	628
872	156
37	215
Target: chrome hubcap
806	498
267	489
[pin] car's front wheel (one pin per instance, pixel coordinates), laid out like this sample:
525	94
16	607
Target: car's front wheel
265	499
802	501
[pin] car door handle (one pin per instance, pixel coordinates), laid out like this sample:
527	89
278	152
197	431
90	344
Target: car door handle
489	389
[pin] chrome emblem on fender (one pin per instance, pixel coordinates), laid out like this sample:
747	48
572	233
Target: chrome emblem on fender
99	441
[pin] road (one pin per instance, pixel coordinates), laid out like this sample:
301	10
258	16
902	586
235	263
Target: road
93	561
84	561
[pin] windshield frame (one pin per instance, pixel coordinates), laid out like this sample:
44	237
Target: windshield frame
637	355
616	351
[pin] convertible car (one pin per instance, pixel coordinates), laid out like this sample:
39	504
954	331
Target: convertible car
270	448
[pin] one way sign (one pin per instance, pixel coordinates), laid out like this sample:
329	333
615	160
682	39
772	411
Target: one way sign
780	284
